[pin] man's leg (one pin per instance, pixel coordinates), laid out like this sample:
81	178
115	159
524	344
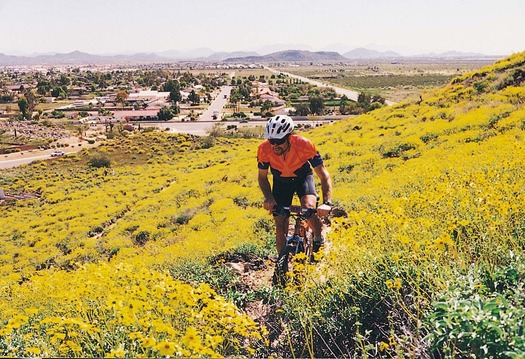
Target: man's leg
283	194
281	231
310	201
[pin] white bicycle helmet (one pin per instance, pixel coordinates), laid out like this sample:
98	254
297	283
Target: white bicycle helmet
278	126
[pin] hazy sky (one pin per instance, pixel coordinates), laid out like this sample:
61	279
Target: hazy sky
492	27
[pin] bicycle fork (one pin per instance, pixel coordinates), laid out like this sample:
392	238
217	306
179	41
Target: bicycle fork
295	241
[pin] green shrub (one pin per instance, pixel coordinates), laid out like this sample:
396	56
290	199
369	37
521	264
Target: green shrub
142	237
396	149
482	316
99	161
426	138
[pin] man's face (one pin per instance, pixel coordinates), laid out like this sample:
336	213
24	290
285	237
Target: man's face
279	146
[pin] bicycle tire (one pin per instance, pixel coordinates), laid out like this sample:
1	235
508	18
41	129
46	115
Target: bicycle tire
282	266
308	242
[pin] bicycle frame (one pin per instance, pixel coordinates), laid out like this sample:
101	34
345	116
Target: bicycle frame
301	216
297	242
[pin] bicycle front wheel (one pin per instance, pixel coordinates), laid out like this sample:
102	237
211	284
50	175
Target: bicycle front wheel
284	264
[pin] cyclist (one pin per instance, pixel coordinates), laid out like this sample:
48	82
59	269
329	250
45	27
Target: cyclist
291	159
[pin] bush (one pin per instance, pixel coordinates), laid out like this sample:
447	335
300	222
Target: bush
99	161
239	115
183	218
11	150
142	237
482	316
395	149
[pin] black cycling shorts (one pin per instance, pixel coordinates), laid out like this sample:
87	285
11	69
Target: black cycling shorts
283	191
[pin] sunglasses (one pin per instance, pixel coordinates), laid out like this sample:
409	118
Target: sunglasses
277	142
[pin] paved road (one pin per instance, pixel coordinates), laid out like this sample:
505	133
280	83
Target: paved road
25	157
217	104
352	95
13	162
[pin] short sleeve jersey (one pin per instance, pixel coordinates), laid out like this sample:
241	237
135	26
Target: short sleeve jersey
297	162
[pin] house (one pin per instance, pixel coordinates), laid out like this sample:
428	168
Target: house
77	91
275	100
20	88
136	115
78	103
148	96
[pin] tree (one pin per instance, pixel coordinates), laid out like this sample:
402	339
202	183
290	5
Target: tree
173	87
266	106
194	98
31	102
302	109
58	92
121	97
175	96
64	80
378	99
23	106
165	114
175	109
43	87
364	100
343	104
317	105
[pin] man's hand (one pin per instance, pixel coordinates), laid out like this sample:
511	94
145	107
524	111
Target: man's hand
269	204
323	210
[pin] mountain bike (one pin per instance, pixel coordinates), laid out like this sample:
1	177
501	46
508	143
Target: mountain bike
301	241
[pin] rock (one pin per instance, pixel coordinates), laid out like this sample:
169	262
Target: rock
240	268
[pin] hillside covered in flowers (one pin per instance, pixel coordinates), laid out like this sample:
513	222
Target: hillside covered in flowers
128	260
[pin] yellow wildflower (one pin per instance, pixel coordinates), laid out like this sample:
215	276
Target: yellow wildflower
116	353
18	321
397	283
191	339
165	348
135	335
31	311
33	350
148	342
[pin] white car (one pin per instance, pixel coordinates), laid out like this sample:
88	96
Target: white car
57	153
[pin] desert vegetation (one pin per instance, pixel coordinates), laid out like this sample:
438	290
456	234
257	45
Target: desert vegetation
394	80
129	258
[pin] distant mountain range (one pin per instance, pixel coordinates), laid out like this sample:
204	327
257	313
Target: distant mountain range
362	53
291	55
203	55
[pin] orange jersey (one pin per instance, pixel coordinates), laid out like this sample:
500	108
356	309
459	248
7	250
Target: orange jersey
296	162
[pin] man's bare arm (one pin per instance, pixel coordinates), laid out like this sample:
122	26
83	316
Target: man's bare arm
264	185
326	182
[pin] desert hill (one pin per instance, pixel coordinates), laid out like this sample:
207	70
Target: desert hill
290	55
427	261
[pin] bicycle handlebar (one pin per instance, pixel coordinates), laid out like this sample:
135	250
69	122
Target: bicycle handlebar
284	211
